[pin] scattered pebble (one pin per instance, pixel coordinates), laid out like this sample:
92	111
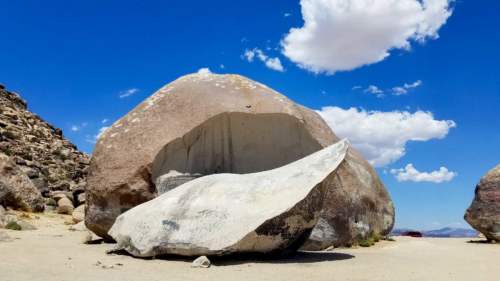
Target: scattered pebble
107	266
201	262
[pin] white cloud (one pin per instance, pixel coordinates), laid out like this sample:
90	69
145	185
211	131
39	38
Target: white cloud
409	173
341	35
399	91
271	63
79	127
128	93
403	90
382	136
104	121
249	55
413	85
221	66
274	64
372	89
286	15
204	71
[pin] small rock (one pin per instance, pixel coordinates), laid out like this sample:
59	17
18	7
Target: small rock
79	214
108	266
65	206
26	225
201	262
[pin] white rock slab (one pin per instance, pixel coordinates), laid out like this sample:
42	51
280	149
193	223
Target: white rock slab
266	212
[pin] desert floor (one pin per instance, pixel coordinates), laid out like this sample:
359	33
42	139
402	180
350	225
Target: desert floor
54	253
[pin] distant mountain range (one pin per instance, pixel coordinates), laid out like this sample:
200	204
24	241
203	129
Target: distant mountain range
447	232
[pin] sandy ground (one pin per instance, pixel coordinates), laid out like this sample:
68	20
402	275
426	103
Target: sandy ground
54	253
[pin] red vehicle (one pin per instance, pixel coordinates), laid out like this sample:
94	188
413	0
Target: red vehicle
415	234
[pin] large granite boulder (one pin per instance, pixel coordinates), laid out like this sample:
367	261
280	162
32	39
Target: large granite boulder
484	212
16	189
271	212
198	124
203	124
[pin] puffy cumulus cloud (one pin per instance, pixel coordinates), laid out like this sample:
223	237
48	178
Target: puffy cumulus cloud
341	35
271	63
382	136
409	173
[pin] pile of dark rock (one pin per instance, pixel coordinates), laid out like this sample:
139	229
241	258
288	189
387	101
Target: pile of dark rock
39	168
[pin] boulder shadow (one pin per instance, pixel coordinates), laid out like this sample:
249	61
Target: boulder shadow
482	241
297	258
238	259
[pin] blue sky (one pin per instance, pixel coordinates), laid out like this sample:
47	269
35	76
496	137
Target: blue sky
73	59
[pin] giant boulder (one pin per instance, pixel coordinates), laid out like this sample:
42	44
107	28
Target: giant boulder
484	212
16	189
265	212
204	124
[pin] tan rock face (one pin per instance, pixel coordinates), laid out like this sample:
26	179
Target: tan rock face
484	212
197	125
16	189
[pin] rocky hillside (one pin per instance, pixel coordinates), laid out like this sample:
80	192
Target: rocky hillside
40	150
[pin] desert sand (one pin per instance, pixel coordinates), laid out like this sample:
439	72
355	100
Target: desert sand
55	253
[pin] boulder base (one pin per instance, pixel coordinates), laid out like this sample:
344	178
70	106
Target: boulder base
266	212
